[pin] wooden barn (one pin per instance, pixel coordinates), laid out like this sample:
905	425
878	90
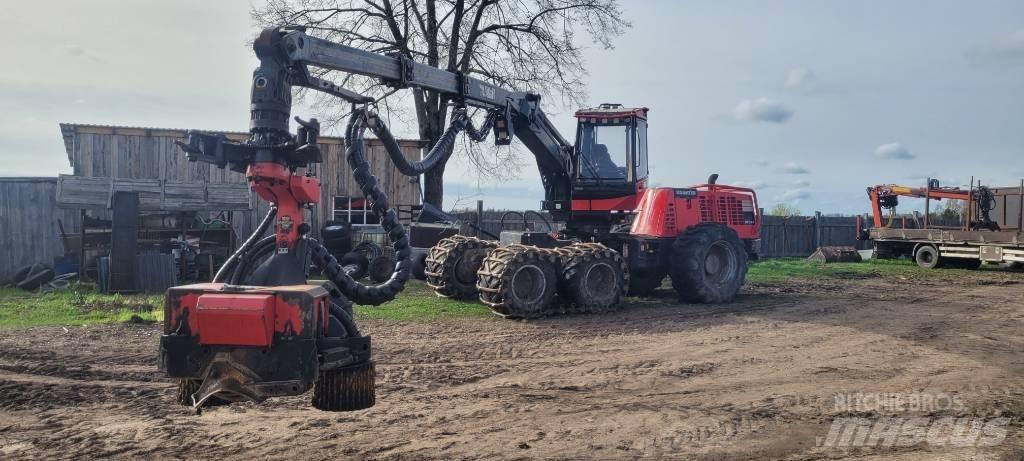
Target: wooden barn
41	218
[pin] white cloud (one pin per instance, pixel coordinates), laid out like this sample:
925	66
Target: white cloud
800	78
792	168
762	110
893	151
802	184
755	184
1007	50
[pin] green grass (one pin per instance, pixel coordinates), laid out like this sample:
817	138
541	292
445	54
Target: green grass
76	305
82	305
779	270
418	302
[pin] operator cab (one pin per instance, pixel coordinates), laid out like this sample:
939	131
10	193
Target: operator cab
610	158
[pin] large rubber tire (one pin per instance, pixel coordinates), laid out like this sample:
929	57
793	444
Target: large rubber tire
928	257
381	269
39	275
451	266
709	264
20	274
354	258
518	281
594	278
345	389
644	283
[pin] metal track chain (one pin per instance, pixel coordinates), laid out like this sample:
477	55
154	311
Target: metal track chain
494	277
442	258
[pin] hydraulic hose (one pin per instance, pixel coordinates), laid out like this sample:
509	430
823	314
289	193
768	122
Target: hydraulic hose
229	265
346	320
353	290
501	221
460	122
245	264
542	218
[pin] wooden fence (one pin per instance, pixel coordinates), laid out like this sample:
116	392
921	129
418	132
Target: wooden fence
799	236
28	223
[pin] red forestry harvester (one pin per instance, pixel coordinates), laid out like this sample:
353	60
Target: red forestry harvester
260	330
619	236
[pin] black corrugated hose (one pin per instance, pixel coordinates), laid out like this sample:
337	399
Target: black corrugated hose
249	243
460	122
353	290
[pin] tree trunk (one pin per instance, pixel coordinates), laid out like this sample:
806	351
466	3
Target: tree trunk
433	186
433	111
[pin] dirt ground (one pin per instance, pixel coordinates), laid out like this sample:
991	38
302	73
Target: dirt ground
757	379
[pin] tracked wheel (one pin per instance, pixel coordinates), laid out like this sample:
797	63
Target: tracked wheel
594	278
519	281
452	264
345	389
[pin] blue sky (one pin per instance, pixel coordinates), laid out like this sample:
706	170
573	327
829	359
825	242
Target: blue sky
809	102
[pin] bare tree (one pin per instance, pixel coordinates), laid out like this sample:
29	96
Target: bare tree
525	45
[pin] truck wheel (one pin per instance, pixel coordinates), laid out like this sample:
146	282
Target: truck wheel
345	389
644	283
709	264
928	257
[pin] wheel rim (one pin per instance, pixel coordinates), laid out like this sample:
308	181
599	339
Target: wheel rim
529	284
720	262
927	257
466	267
599	281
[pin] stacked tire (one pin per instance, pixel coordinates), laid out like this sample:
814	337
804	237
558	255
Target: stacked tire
31	278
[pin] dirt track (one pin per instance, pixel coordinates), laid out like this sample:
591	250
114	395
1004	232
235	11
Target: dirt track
751	380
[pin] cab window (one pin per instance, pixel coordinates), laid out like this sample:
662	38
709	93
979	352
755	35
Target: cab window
605	151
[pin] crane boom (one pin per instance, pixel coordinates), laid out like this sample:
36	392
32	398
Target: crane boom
519	113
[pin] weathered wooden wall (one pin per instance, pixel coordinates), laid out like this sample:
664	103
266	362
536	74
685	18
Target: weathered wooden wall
150	153
28	223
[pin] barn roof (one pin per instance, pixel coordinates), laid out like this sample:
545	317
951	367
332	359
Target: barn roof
68	131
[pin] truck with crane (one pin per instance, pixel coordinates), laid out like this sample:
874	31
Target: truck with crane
261	329
989	227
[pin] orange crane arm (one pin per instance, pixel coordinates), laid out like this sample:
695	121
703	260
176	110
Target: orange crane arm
882	191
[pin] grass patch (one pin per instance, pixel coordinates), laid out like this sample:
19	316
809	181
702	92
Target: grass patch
76	305
418	302
80	305
781	269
